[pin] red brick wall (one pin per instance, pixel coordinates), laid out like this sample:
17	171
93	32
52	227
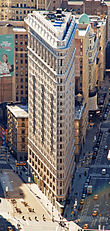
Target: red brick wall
6	89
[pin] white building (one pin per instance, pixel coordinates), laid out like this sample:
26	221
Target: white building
51	53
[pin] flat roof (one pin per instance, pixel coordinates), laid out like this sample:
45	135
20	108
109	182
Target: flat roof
19	111
82	31
19	29
57	22
75	2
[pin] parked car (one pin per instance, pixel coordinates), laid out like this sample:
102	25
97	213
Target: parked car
94	214
95	197
85	226
82	201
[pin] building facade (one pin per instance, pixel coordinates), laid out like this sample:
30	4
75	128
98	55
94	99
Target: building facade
90	7
99	26
20	64
17	129
81	85
14	84
17	10
51	90
92	61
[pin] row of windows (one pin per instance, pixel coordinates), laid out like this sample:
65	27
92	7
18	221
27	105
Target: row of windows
22	80
21	92
42	52
20	49
21	99
22	5
41	165
45	177
22	55
20	36
21	43
21	86
22	61
21	74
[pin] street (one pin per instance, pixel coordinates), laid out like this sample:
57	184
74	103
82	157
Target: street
83	208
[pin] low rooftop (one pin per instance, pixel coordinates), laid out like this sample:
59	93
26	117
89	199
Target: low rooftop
19	111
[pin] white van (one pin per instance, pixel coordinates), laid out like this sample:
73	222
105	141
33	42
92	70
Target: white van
103	171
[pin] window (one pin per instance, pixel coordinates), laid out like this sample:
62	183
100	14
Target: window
60	191
21	92
50	175
23	139
36	158
23	131
23	148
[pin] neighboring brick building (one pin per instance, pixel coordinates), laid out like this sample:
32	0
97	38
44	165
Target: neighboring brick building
20	64
95	7
17	127
91	7
14	85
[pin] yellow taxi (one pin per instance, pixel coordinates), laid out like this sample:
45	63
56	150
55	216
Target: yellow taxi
94	214
91	124
95	197
85	226
82	201
10	228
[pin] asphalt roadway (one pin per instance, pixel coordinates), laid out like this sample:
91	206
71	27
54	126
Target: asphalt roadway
92	170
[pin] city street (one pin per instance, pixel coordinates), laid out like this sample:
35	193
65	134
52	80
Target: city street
89	172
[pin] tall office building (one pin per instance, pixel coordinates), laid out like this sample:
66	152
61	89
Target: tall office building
51	89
